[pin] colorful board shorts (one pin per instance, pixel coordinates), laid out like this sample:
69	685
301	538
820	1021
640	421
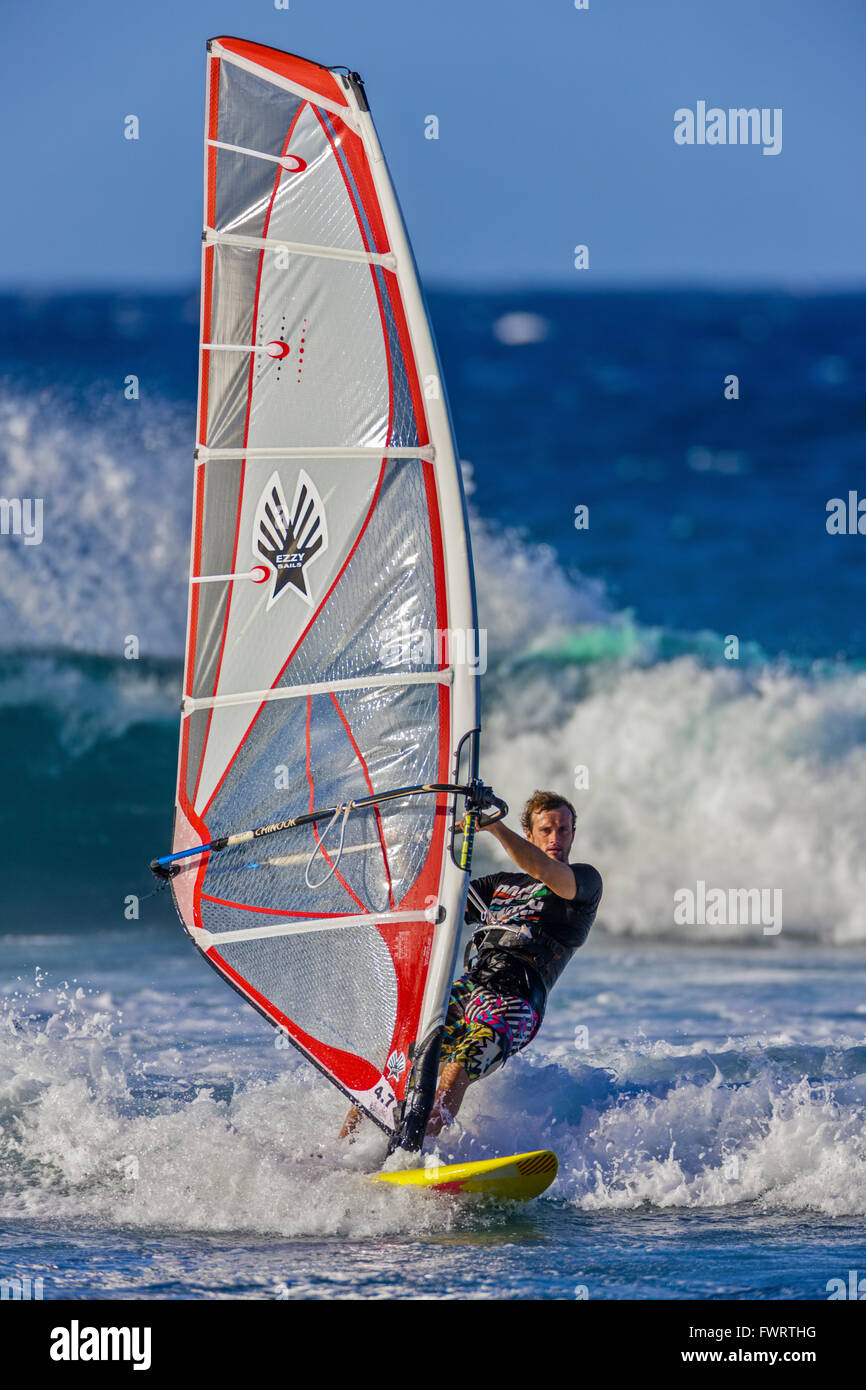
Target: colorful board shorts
483	1029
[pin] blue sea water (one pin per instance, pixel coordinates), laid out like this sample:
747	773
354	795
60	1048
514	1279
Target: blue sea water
704	1086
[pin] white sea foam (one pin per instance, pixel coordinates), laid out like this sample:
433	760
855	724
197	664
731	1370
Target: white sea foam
117	494
78	1146
737	778
104	1126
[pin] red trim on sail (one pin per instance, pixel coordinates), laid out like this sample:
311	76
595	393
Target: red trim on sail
213	134
374	220
337	875
352	148
366	772
189	897
410	945
313	76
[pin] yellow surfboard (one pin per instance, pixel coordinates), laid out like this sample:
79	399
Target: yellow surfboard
520	1177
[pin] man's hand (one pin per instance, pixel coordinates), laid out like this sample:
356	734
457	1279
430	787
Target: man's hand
482	822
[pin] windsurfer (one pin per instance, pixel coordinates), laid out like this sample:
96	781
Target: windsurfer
528	925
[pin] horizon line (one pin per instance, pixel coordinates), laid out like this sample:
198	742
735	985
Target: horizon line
501	286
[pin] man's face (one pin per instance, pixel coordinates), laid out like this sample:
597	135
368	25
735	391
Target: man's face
552	832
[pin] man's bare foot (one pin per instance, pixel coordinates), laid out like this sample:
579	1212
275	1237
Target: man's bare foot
350	1124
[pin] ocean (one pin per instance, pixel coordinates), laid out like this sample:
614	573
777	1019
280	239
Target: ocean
689	667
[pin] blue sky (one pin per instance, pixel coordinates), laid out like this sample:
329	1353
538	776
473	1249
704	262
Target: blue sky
556	128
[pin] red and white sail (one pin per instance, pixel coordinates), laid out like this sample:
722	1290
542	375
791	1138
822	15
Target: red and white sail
330	563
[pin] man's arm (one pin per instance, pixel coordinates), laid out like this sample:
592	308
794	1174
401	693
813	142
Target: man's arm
532	860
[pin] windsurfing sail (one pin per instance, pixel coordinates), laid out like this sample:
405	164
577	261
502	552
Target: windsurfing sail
332	622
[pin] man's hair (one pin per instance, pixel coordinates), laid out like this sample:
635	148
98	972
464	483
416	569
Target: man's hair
544	801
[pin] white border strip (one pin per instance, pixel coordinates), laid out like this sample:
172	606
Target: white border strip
300	248
293	692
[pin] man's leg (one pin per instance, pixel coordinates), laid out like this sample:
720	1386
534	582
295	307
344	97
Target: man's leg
453	1078
492	1027
453	1082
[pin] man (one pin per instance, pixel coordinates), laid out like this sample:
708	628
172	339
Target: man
530	924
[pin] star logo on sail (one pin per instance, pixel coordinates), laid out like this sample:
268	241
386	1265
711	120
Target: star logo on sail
395	1065
289	539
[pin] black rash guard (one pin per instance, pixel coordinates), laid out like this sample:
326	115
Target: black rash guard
528	934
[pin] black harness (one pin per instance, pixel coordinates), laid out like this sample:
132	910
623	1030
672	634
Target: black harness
513	964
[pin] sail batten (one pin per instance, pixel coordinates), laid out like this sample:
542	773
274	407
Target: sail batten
299	248
334	451
336	923
329	536
295	692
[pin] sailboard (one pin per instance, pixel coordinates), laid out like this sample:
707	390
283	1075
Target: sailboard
518	1177
330	703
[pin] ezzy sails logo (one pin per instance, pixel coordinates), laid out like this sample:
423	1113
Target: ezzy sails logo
395	1065
289	539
